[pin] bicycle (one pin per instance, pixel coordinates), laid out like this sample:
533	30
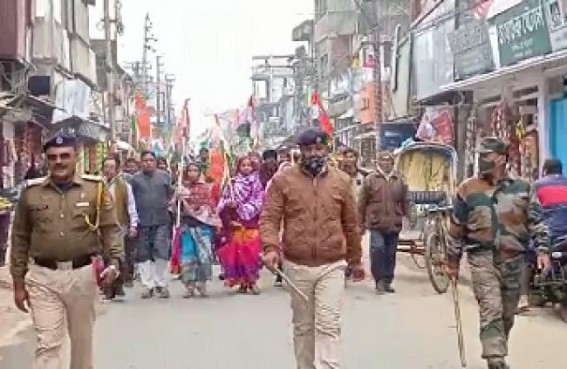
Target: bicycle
436	242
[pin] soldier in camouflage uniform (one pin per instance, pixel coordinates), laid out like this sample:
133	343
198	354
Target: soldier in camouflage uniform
494	218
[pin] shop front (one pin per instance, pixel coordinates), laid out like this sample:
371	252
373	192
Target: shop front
557	127
522	97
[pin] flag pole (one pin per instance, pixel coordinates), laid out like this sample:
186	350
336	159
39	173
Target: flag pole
180	184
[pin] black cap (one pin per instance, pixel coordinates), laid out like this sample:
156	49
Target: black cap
270	154
60	139
312	136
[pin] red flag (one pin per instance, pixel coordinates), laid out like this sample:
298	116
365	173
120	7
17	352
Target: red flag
319	113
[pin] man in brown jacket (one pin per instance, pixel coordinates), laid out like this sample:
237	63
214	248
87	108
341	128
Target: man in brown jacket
381	205
318	211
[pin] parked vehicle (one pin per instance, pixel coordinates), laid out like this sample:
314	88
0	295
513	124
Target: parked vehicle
550	286
430	172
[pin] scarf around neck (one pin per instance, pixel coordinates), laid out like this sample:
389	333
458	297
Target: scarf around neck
246	192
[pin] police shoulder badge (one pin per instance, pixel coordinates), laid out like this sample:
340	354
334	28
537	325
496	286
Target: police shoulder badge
34	182
90	177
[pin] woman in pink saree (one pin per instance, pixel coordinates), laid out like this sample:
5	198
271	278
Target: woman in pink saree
239	209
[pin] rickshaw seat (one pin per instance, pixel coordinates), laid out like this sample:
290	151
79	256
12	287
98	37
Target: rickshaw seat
427	197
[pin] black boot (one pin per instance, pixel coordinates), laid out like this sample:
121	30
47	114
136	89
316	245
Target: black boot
380	288
497	363
388	288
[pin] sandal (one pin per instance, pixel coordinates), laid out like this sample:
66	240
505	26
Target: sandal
242	289
189	294
255	289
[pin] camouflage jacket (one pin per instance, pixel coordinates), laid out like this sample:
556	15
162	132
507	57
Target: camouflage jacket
503	217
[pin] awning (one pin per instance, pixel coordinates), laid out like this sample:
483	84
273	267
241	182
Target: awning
363	136
348	114
124	146
83	129
552	62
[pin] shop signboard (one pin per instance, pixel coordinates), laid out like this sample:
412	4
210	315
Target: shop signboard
521	32
556	22
432	59
472	53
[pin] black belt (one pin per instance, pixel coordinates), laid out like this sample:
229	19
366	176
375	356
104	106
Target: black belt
76	263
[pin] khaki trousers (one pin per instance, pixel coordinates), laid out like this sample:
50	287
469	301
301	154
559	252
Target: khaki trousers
62	301
317	323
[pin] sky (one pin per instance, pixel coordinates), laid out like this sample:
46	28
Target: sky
208	45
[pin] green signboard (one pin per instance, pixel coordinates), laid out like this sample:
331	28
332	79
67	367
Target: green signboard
522	32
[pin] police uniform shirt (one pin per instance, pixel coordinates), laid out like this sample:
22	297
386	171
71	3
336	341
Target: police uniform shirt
62	225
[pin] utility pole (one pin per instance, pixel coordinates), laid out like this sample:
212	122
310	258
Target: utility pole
158	91
110	71
377	74
148	38
169	80
374	33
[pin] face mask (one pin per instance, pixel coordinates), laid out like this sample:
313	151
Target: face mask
485	166
313	164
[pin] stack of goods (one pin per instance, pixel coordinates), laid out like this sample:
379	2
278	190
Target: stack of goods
92	168
5	205
505	129
100	152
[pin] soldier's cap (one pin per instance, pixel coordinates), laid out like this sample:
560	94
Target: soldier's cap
270	154
60	139
312	136
492	144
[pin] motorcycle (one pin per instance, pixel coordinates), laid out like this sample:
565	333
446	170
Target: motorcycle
550	286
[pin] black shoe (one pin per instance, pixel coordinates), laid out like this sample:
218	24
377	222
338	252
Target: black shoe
109	293
119	290
388	288
497	363
380	289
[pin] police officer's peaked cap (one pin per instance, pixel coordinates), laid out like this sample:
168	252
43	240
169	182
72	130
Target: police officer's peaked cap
312	136
492	144
60	139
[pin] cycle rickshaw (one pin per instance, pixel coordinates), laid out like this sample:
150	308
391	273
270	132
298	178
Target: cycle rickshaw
430	172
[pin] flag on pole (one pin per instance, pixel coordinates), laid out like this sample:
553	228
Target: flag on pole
254	126
186	120
318	113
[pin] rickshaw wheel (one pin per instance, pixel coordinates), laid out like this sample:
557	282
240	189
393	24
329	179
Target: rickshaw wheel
434	262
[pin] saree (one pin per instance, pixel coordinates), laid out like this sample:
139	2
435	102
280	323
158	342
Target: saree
192	252
240	252
196	256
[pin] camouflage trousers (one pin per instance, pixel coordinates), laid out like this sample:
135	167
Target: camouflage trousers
496	286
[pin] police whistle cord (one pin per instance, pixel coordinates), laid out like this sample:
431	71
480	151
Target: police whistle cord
460	339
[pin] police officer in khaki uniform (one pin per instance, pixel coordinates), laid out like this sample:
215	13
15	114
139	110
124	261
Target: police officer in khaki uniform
61	221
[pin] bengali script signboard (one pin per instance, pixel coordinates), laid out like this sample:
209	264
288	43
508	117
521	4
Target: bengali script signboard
471	49
521	32
556	22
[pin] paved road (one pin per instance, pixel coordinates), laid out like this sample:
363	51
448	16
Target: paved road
412	329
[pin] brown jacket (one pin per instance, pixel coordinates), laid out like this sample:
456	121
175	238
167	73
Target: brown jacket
382	203
317	215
